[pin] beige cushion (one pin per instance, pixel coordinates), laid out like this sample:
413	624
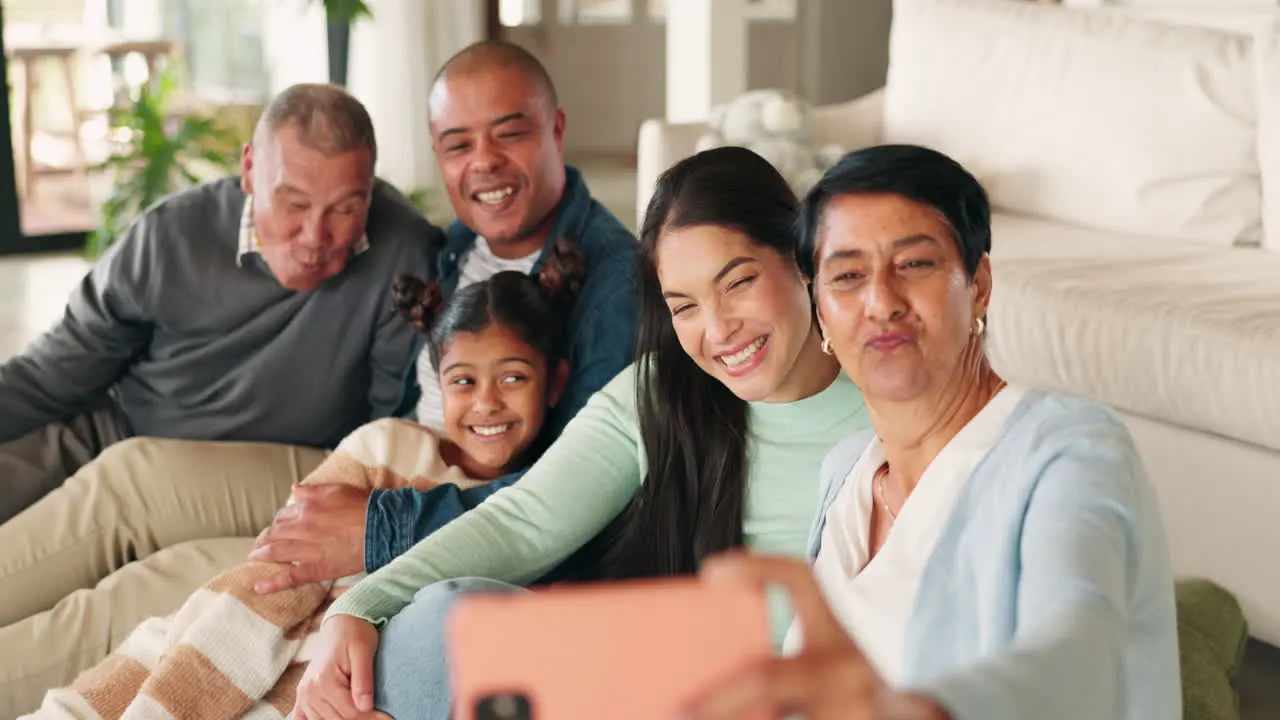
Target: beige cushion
1089	117
1184	333
1269	130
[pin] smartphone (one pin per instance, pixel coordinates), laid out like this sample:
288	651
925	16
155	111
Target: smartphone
629	650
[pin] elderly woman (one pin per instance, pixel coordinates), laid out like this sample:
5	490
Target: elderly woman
991	551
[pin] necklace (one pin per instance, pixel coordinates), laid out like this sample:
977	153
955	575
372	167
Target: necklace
877	482
877	486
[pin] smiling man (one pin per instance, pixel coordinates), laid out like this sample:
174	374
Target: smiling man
252	308
498	134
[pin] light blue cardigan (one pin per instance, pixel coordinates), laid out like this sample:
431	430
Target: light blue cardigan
1049	594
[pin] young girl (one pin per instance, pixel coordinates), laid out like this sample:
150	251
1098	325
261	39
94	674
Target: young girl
230	652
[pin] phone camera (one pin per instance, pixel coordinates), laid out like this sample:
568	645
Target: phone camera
509	706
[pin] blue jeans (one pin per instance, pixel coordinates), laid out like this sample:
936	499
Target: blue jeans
411	678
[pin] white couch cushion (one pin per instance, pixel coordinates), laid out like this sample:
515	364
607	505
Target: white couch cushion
1089	117
1184	333
1268	54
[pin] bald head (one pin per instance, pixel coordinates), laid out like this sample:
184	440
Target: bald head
490	55
498	135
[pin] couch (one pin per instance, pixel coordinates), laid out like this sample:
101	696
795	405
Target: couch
1134	169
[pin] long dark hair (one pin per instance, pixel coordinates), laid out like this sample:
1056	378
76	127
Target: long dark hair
693	428
533	307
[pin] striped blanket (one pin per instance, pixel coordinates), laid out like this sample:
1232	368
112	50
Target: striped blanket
231	653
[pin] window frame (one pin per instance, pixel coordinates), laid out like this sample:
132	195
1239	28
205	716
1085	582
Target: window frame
12	239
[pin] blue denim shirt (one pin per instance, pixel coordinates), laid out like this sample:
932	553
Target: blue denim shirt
601	342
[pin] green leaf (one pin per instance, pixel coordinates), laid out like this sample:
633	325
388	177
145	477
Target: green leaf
346	11
157	161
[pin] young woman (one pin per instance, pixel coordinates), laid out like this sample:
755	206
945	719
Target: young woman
711	440
495	344
989	550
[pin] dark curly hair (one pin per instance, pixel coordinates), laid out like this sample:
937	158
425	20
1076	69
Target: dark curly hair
534	307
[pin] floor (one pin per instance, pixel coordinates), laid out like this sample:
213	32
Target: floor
1259	683
34	290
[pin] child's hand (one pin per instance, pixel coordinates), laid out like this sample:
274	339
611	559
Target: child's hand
338	683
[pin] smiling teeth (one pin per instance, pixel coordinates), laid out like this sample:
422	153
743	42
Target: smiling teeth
490	430
495	196
742	355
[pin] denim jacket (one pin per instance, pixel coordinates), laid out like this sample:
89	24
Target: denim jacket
600	343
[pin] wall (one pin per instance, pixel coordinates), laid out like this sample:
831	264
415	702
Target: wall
609	77
849	54
393	58
612	78
294	45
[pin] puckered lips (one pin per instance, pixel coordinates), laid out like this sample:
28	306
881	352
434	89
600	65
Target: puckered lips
887	342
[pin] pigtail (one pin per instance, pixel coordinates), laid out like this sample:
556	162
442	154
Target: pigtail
562	276
417	301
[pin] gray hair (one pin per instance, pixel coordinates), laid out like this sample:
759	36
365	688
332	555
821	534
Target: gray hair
327	119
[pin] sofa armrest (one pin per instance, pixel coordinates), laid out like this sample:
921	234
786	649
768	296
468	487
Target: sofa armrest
661	145
854	124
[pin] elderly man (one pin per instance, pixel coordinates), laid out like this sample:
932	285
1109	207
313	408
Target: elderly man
246	309
254	310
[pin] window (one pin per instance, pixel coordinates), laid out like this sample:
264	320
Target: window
224	48
514	13
595	12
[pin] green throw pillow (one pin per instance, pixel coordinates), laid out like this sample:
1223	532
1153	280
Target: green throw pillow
1212	635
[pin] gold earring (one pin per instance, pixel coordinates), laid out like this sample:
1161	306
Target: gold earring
981	327
826	345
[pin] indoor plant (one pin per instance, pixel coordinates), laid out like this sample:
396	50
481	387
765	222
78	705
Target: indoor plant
340	15
162	153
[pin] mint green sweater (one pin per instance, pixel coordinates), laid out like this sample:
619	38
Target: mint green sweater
590	474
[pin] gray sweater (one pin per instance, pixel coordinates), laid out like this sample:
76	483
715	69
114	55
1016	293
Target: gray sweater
191	345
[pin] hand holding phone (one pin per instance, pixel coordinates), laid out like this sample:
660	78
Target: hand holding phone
636	649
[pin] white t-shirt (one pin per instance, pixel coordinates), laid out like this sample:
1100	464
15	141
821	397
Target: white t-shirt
478	264
873	600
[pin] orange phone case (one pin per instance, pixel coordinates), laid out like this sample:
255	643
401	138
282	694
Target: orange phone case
637	649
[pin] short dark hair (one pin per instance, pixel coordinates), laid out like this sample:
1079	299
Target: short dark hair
911	171
490	54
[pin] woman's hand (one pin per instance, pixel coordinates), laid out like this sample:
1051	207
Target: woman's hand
829	680
338	684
